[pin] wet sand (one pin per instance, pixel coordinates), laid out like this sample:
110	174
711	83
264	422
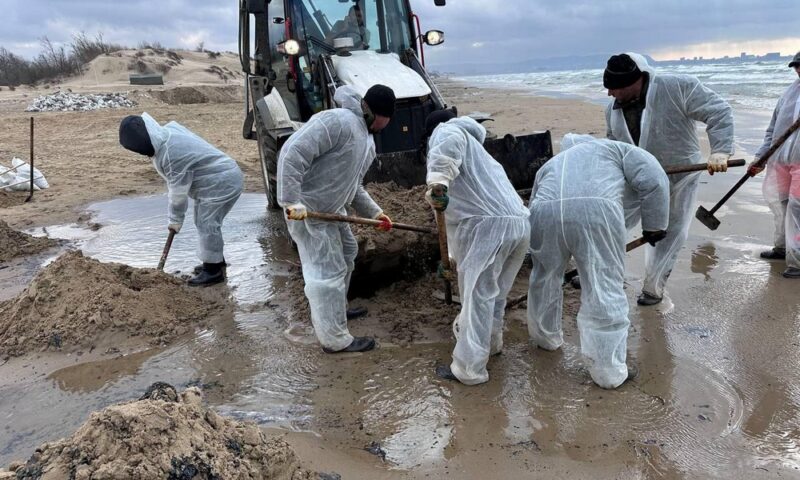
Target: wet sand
717	396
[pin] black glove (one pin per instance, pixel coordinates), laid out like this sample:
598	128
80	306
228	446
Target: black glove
653	237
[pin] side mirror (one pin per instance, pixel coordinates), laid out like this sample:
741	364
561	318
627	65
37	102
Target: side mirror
434	37
439	3
278	20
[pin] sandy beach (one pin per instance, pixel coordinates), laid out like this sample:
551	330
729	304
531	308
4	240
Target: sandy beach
717	396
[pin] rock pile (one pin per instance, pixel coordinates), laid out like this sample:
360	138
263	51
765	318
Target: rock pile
74	102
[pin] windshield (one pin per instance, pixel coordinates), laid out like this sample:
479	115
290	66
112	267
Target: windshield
380	25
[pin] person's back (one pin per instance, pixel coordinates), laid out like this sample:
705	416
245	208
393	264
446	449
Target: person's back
480	187
589	170
189	152
337	150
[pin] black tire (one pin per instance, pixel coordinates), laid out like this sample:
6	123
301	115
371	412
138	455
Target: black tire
269	168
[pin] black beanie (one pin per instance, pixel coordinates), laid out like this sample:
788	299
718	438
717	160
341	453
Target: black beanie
380	99
435	118
133	136
621	71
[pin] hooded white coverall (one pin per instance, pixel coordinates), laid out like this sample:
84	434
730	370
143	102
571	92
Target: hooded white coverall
195	169
673	105
781	185
322	166
577	211
488	234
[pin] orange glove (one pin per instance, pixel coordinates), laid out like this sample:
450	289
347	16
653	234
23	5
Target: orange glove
386	222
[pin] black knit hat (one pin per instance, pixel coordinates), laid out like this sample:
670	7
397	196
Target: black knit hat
133	136
621	71
435	118
795	61
380	99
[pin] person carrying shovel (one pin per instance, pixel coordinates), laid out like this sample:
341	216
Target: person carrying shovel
659	113
577	211
321	168
487	235
782	183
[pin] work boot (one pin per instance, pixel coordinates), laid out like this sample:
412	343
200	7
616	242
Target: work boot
776	253
443	371
356	312
792	272
647	300
359	344
211	274
199	268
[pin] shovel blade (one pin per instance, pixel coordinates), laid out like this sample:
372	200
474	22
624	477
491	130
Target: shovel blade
707	218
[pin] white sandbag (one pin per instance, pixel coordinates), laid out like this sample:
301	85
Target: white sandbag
24	173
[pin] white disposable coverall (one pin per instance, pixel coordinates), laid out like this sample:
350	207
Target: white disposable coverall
322	166
195	169
782	181
672	106
488	234
577	210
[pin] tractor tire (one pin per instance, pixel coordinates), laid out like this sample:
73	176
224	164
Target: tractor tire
269	170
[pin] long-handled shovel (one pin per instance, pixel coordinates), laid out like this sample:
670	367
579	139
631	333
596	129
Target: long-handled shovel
164	254
707	217
332	217
445	254
739	162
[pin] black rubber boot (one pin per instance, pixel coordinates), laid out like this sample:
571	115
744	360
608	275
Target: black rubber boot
356	312
211	274
199	268
792	272
647	300
359	344
775	254
443	371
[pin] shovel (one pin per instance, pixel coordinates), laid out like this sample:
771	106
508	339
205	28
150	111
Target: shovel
707	217
443	252
739	162
164	254
332	217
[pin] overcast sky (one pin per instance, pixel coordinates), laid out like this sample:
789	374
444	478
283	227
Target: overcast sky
475	30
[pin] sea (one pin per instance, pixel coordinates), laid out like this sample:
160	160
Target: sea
752	89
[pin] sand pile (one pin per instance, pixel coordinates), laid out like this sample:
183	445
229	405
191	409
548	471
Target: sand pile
78	302
164	435
384	258
14	243
199	94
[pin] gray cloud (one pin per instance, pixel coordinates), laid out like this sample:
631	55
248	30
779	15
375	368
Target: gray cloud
476	30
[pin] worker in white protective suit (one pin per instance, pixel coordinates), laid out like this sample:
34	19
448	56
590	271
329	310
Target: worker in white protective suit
488	234
782	183
321	169
577	211
194	169
658	113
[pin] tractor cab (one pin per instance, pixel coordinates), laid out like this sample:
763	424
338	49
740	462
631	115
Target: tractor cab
362	38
